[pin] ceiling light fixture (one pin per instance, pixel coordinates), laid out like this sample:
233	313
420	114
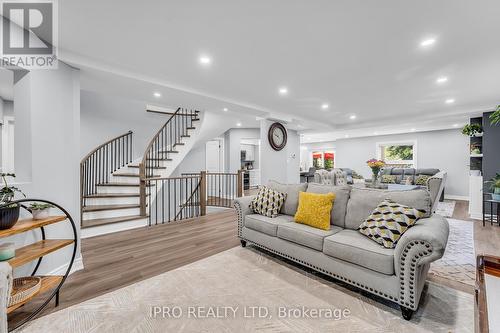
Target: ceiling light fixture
450	101
413	129
283	90
346	136
205	60
225	110
455	125
238	124
428	42
352	117
375	133
157	94
325	106
441	79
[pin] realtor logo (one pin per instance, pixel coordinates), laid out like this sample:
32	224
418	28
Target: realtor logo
29	34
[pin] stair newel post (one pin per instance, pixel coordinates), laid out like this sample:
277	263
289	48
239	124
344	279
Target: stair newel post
142	189
240	184
203	193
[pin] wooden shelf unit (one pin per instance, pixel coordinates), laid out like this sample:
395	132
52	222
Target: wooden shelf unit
48	283
34	251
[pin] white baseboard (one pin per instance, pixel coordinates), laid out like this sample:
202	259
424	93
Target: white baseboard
456	197
61	270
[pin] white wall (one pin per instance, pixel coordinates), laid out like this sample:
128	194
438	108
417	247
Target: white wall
446	150
105	117
47	137
283	165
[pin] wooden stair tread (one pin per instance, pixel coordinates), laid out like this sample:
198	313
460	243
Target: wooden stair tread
168	151
36	250
136	166
132	175
29	224
122	184
191	128
98	208
179	144
48	283
159	159
112	195
97	222
185	136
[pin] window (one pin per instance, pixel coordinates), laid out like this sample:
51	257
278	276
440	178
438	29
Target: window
323	159
398	154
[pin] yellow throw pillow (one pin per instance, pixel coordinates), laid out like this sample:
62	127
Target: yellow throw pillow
314	209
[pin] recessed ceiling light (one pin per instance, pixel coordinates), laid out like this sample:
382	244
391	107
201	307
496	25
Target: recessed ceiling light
325	106
283	90
450	101
157	94
428	42
225	110
346	136
375	133
238	124
352	117
413	129
205	60
455	125
441	79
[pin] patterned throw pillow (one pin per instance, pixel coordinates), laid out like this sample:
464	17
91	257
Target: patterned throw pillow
389	221
268	202
389	179
407	180
422	180
314	209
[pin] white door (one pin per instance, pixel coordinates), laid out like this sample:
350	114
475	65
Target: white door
213	159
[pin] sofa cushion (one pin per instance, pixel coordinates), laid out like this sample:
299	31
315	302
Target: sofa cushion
340	204
305	235
351	246
421	180
292	195
315	209
389	179
266	224
363	201
427	171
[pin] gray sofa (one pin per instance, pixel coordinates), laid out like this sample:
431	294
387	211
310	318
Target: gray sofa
342	252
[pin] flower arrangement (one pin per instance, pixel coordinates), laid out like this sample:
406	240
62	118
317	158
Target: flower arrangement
375	165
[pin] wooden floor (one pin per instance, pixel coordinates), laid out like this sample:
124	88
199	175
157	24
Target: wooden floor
117	260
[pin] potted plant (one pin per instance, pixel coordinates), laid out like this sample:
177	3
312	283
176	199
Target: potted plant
375	165
495	116
9	212
40	211
495	187
472	130
475	149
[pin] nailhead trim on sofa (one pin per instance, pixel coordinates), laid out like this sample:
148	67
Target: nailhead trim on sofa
423	248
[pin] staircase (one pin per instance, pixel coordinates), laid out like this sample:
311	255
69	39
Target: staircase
114	193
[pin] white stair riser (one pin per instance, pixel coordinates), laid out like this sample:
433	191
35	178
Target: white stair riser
118	189
103	214
113	227
129	180
112	201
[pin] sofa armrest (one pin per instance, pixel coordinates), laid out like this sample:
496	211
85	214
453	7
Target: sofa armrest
242	206
435	186
420	245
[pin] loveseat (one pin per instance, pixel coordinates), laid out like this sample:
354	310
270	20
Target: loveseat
342	252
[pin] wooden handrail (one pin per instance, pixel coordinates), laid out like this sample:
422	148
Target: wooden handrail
102	145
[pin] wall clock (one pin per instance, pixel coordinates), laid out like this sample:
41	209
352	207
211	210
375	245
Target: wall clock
277	136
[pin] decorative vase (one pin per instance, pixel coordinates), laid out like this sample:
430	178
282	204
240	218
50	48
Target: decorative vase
8	216
496	194
40	214
375	179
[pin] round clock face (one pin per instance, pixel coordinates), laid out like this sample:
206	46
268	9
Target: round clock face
277	136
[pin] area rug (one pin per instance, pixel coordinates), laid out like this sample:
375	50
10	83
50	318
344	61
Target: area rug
247	290
446	208
458	263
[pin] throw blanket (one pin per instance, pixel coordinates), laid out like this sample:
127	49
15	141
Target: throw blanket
5	288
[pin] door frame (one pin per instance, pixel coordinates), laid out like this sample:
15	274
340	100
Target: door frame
8	126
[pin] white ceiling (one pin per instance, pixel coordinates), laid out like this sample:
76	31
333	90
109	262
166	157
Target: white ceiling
360	57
